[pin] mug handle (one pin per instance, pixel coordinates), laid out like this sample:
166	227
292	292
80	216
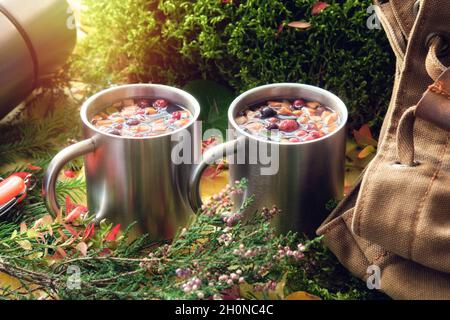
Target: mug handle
210	156
55	167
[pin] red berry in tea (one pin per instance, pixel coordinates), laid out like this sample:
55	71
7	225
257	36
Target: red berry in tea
141	118
297	120
160	103
288	125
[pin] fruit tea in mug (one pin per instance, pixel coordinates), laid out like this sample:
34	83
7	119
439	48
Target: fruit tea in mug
291	121
142	117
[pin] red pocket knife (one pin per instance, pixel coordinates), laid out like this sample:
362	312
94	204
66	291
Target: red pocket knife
13	190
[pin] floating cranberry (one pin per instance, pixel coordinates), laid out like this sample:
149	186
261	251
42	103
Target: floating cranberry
311	126
132	122
160	103
301	133
309	138
143	103
272	126
117	126
288	125
316	134
299	103
267	112
176	115
294	140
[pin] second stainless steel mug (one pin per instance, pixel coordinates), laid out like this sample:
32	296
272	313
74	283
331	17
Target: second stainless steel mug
132	179
310	174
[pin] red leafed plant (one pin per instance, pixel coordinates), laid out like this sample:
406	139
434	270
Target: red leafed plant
72	232
318	7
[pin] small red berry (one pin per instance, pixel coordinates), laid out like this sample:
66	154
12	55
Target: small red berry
176	115
288	125
301	133
160	103
316	134
299	102
294	140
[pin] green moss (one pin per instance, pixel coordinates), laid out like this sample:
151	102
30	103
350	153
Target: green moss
238	44
124	45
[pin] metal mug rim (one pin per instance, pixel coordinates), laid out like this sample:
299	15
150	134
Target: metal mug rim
86	105
340	104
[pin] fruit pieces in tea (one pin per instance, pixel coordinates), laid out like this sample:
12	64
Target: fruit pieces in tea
142	117
296	120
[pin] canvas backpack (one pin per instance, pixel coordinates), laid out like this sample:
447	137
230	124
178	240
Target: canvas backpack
395	223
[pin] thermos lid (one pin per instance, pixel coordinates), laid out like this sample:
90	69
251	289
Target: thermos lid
36	38
47	26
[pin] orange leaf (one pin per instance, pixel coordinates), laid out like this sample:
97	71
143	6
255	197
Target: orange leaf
62	234
365	131
363	137
71	230
318	7
33	168
366	152
61	252
89	231
75	214
105	252
69	205
82	247
300	24
302	295
69	174
112	235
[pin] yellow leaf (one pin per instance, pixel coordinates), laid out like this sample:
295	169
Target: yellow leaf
25	244
35	255
279	291
247	291
32	234
302	295
14	235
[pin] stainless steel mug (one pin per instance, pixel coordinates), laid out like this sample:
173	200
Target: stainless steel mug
132	179
36	38
310	174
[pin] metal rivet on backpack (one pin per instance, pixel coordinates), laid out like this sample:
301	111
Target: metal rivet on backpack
398	164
